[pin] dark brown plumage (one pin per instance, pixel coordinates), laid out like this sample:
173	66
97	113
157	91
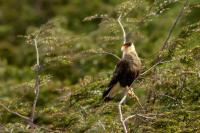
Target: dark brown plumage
126	71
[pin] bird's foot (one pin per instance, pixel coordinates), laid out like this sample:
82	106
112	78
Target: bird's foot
133	95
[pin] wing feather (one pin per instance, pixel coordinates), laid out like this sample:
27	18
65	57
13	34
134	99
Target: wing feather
119	70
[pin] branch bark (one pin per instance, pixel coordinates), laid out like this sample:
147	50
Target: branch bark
30	119
15	113
109	53
122	27
121	114
125	95
37	80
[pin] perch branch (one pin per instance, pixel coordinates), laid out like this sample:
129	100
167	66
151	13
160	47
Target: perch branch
121	114
125	95
37	80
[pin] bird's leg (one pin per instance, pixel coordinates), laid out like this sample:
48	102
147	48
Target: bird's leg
133	95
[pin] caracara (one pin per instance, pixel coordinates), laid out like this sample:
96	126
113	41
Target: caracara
126	71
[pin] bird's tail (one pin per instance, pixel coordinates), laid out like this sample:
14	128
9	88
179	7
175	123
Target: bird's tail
106	93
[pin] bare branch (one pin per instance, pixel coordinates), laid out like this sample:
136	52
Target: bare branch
121	114
165	44
37	51
140	115
37	80
125	95
15	113
108	53
124	33
129	117
101	124
154	67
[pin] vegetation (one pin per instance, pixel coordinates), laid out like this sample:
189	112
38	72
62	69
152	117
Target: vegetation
78	43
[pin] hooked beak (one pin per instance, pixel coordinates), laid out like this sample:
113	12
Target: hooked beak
126	45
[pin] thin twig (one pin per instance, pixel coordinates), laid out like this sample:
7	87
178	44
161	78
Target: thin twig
124	33
168	96
37	81
15	113
23	117
108	53
121	114
154	67
102	125
140	115
37	52
129	117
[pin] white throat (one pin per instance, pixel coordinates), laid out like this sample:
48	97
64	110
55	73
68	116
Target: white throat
129	51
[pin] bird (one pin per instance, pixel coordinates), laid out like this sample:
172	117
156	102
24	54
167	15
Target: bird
126	71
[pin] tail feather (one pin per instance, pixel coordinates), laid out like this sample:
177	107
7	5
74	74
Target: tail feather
106	92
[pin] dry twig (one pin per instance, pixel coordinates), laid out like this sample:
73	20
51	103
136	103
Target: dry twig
124	33
15	113
165	44
37	80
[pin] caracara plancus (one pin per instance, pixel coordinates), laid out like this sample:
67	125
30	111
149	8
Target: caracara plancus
126	71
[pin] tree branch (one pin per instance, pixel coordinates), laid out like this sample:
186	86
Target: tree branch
165	44
15	113
140	115
121	114
124	33
125	95
157	60
37	80
154	67
108	53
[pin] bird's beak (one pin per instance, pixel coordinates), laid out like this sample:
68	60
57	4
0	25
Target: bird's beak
122	48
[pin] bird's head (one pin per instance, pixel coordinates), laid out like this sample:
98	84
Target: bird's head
128	47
